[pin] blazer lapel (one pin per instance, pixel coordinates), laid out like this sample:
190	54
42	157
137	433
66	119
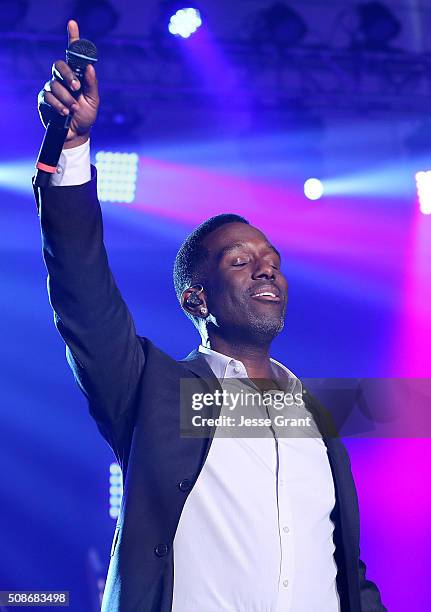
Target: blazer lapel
196	363
345	513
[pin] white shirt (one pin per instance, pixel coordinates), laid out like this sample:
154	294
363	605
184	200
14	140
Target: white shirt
73	167
255	533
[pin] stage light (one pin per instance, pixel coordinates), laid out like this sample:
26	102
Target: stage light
185	22
279	25
117	174
377	24
115	490
14	175
96	18
423	184
313	188
12	12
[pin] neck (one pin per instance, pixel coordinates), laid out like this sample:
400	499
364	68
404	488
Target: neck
255	357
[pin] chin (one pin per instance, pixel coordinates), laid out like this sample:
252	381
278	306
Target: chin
266	329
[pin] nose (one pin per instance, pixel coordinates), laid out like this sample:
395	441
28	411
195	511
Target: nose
264	270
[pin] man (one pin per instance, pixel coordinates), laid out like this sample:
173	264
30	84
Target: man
208	523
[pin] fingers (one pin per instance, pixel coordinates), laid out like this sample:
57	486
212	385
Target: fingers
72	31
65	81
54	103
56	95
90	87
62	72
62	94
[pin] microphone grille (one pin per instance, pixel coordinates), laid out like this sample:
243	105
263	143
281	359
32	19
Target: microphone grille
84	48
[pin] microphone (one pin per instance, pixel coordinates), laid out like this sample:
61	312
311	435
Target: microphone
79	54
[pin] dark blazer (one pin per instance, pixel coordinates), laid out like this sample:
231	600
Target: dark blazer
132	389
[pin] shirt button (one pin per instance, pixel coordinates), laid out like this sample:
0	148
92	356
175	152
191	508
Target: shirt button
59	170
286	529
285	583
185	485
161	550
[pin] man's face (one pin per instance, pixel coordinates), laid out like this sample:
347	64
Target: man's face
246	291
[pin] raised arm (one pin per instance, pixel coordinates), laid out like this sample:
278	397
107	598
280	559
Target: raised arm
102	347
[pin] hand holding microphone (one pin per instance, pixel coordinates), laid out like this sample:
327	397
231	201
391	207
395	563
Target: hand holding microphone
68	103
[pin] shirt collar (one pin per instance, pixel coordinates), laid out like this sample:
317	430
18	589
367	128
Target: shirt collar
224	366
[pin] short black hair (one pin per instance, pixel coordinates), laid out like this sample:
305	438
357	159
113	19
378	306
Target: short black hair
189	266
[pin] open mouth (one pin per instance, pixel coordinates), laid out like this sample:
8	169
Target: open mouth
266	296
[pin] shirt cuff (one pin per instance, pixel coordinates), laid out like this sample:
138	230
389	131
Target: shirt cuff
73	167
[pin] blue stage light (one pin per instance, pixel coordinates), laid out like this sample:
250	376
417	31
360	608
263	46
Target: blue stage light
115	490
14	176
117	174
423	184
185	22
313	188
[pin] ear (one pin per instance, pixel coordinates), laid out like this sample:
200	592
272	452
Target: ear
193	301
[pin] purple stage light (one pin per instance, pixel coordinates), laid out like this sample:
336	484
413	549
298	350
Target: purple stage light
423	184
185	22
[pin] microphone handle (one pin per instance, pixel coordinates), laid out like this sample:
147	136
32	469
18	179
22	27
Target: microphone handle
53	141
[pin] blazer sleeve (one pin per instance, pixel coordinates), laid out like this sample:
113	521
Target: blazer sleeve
102	347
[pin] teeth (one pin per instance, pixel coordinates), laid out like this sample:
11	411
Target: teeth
264	293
